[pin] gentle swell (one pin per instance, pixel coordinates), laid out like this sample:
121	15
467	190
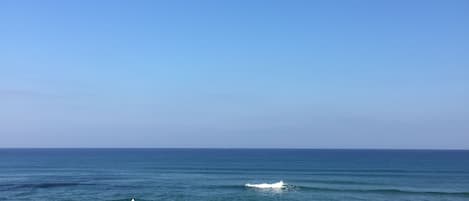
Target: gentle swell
377	191
42	185
383	191
319	181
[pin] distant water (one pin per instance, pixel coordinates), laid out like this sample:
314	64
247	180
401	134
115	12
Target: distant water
221	174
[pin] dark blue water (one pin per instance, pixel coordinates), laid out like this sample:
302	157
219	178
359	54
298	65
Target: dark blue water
220	174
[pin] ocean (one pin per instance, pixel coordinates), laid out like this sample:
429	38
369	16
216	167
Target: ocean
222	174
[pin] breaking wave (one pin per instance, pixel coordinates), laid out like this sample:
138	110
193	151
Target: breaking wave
278	185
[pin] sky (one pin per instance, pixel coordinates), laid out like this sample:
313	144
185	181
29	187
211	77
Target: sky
235	74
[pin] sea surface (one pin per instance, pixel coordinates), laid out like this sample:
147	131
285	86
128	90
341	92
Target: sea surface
221	174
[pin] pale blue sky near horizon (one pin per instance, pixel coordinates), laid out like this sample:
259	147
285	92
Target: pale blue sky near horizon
252	74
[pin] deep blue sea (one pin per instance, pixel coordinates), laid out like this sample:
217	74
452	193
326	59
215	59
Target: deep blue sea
221	174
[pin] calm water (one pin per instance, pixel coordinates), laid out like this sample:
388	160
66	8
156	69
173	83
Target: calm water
220	174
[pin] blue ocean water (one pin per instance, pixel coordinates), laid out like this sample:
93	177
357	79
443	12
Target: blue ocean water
220	174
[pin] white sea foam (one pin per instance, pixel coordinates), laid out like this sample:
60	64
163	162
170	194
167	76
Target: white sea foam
277	185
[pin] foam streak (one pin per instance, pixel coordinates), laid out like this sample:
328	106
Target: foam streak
277	185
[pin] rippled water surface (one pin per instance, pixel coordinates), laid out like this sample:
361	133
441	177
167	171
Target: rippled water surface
221	174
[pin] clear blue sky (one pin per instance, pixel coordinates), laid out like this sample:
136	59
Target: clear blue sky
318	74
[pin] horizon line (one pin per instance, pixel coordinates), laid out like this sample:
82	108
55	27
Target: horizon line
247	148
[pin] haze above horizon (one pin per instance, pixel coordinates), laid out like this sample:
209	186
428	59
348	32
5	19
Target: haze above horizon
235	74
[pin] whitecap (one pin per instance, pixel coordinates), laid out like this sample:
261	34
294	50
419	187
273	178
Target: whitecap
277	185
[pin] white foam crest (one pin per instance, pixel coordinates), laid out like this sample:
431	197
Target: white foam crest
277	185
